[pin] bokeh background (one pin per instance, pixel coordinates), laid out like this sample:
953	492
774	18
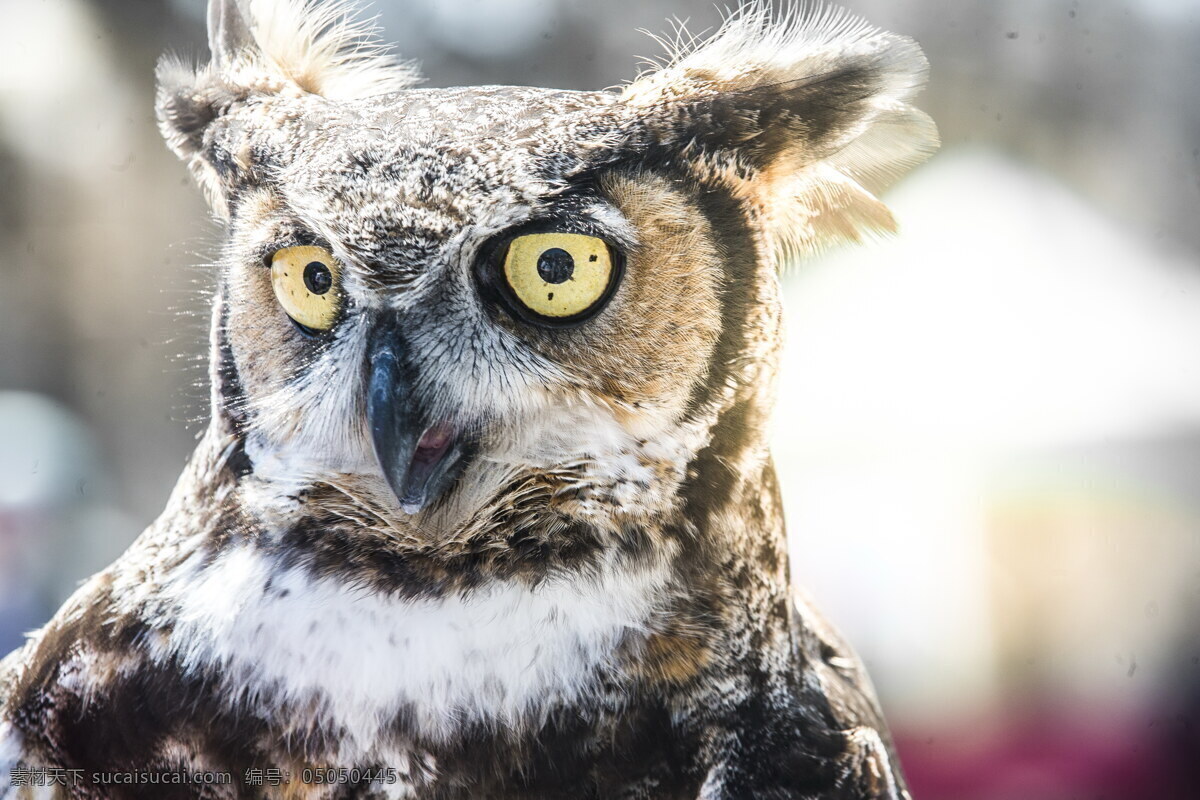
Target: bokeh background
989	429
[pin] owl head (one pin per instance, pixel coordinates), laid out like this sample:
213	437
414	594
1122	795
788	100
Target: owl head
452	314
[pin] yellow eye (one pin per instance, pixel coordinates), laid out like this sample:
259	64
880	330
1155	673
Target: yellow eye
307	283
558	275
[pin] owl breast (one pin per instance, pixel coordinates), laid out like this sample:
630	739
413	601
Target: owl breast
501	654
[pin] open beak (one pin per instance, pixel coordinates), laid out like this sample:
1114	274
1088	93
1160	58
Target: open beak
420	457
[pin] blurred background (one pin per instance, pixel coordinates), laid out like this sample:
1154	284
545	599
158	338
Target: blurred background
989	428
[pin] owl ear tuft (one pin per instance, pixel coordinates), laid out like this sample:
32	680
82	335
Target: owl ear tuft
229	30
269	47
806	118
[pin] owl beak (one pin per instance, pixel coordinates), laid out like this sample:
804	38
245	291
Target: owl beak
420	458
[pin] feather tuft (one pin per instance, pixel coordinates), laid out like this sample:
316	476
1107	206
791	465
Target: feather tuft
327	49
835	90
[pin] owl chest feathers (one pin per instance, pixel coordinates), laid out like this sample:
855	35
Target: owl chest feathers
280	639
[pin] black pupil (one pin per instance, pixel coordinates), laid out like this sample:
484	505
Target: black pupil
556	265
317	277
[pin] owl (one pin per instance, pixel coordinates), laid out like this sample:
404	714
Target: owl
485	508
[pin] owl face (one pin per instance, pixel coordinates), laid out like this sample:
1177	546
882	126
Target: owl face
427	303
435	302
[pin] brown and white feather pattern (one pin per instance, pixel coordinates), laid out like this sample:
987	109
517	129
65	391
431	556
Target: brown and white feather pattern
595	602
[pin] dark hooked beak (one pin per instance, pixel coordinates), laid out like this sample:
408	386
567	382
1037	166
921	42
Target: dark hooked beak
419	456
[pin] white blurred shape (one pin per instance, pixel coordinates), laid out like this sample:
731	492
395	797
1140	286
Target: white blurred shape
1007	314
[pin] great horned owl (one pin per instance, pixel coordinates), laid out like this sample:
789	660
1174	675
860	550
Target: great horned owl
485	508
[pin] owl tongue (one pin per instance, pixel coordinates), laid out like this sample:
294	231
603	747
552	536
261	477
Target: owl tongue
430	451
433	443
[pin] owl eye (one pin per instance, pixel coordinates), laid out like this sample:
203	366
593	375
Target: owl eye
307	282
559	277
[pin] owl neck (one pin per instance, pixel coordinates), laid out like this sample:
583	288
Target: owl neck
733	499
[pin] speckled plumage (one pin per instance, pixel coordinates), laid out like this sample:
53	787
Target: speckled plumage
597	605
